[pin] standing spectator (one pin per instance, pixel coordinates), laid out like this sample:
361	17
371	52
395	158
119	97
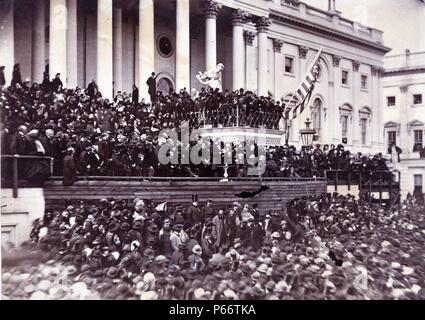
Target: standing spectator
69	168
193	215
195	260
178	237
2	79
208	211
135	95
220	228
57	84
46	84
92	89
16	75
151	82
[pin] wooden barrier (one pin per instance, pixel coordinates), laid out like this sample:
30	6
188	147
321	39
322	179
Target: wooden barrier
177	191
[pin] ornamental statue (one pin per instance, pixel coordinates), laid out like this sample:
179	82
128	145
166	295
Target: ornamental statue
212	78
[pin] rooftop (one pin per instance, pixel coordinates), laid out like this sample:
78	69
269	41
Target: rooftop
405	63
301	14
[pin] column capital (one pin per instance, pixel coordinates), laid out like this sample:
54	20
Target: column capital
263	24
277	45
248	37
374	70
336	60
210	8
239	17
303	50
356	65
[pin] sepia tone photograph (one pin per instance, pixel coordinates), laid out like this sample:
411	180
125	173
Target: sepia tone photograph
219	150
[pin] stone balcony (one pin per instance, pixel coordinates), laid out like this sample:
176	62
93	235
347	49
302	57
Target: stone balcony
328	19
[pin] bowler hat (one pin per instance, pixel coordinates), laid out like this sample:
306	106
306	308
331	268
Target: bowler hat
112	272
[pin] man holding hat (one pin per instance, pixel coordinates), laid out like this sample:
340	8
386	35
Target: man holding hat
178	236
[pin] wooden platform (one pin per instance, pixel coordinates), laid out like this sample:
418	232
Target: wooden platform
178	191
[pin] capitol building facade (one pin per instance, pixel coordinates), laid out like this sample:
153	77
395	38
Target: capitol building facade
264	45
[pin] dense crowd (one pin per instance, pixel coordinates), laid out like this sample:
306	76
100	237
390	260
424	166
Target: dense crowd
88	135
325	247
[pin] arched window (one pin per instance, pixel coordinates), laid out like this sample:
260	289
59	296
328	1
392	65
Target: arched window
316	115
346	116
365	116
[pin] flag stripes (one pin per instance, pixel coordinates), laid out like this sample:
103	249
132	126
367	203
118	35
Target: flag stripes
301	97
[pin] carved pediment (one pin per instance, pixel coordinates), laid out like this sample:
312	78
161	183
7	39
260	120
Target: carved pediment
392	124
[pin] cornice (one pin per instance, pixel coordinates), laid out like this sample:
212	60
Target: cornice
304	24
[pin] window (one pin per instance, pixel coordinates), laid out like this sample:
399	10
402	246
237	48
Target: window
418	183
316	117
289	65
417	99
165	46
392	138
418	142
363	130
344	77
364	82
344	126
391	101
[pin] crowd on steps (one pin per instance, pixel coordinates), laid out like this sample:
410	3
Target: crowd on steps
88	135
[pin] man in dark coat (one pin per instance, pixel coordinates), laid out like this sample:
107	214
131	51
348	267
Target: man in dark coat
92	89
2	78
46	84
193	215
151	82
16	75
57	82
208	211
69	168
135	95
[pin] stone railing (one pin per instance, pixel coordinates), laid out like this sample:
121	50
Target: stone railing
331	19
407	60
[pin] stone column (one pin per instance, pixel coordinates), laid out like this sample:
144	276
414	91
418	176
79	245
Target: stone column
211	9
278	66
263	24
146	45
58	40
380	103
405	140
333	114
117	42
238	50
39	41
183	45
302	52
374	91
104	47
7	42
72	44
356	135
250	72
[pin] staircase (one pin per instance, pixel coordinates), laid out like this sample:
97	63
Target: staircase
179	191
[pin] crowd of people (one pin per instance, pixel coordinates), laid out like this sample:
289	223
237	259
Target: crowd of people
88	135
322	247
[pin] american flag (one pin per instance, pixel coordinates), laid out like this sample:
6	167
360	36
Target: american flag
301	97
